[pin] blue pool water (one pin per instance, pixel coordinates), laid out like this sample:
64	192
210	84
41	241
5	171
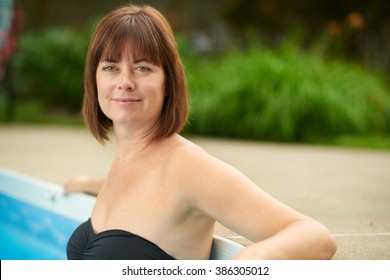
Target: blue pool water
36	218
30	233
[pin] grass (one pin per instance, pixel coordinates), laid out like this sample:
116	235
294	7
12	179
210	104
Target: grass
368	142
34	112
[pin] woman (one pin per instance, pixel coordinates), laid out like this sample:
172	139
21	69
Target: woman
163	194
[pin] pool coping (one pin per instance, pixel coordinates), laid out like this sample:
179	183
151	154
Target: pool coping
46	195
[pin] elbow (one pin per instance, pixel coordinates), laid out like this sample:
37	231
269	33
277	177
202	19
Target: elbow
321	244
332	246
327	242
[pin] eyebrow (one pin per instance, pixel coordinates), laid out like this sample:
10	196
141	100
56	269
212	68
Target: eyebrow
142	60
109	60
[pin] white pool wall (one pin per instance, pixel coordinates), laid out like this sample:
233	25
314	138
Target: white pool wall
46	195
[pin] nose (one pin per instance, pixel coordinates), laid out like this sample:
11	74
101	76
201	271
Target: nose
126	82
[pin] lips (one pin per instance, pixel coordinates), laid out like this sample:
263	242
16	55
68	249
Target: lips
127	100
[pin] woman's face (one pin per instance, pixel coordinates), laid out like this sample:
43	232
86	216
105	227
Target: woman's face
130	91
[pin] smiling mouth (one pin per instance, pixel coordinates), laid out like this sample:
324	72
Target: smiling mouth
126	100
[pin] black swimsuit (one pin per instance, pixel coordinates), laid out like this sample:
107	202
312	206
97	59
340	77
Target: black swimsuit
113	244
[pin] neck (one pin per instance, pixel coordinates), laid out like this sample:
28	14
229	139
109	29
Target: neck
131	142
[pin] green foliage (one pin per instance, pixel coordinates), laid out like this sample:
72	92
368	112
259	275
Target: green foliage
268	94
357	30
49	66
285	95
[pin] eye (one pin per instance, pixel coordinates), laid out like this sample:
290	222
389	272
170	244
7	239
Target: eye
108	68
143	69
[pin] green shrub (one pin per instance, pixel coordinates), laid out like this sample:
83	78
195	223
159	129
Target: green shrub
285	95
278	95
49	67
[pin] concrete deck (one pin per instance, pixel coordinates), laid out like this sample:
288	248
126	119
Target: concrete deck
346	189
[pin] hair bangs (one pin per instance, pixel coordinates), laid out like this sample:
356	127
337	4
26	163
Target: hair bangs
133	39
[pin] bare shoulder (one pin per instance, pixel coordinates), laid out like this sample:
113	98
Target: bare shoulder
185	147
191	159
198	173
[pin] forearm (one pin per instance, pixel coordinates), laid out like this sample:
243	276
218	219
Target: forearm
84	184
304	239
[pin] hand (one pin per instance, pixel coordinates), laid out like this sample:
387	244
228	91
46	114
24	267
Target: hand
76	184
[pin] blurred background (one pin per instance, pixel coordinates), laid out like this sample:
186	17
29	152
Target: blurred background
284	71
302	72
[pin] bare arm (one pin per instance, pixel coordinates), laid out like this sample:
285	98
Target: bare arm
304	239
228	196
84	184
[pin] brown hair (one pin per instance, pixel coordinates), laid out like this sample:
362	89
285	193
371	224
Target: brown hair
149	36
